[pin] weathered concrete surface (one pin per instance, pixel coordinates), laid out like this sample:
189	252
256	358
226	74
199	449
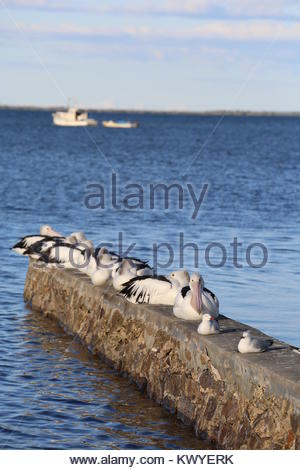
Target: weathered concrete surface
236	401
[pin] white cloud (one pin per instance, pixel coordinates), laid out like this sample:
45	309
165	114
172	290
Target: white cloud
242	8
259	30
250	30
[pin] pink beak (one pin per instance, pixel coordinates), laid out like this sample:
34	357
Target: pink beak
196	301
55	234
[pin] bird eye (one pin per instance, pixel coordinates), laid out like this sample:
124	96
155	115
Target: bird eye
173	275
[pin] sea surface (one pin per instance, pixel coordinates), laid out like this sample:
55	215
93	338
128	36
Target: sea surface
53	393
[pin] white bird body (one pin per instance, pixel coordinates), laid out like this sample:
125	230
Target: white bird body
122	273
193	301
183	308
87	264
67	256
250	344
101	276
208	326
160	290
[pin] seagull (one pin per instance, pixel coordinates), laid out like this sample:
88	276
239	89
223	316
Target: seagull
208	326
250	344
194	300
155	290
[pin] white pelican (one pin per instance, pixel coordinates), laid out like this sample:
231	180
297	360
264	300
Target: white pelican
156	290
33	244
194	300
208	326
106	263
122	273
46	233
56	251
250	344
105	257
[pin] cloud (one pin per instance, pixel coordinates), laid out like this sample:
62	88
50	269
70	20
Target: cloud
248	31
187	8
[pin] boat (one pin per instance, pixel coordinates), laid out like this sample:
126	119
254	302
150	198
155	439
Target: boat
73	117
120	124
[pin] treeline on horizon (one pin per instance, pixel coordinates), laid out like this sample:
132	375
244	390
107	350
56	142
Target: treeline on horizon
219	112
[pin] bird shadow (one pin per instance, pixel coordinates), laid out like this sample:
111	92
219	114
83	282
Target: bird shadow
231	330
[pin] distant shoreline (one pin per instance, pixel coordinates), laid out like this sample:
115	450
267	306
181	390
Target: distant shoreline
146	111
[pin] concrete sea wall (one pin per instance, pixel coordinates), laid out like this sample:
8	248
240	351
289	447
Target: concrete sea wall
235	401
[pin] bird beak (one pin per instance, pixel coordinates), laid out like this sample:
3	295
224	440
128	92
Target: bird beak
196	301
55	234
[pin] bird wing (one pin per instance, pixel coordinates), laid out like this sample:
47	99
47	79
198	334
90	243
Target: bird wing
27	241
261	344
213	297
144	289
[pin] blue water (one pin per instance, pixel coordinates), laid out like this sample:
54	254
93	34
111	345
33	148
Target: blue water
55	395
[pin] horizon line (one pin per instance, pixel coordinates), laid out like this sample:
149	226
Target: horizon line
217	112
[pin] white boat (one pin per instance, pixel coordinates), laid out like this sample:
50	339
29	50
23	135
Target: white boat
73	117
120	124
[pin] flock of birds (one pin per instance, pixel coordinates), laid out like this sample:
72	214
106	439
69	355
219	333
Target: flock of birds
134	279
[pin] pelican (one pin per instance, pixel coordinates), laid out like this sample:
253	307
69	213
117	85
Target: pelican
33	245
208	326
46	233
105	257
122	273
194	300
156	290
57	251
106	262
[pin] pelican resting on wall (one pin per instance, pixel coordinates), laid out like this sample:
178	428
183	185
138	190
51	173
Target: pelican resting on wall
194	300
155	290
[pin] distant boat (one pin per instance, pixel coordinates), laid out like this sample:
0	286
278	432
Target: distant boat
73	117
120	124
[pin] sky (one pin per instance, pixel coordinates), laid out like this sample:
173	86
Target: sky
185	55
